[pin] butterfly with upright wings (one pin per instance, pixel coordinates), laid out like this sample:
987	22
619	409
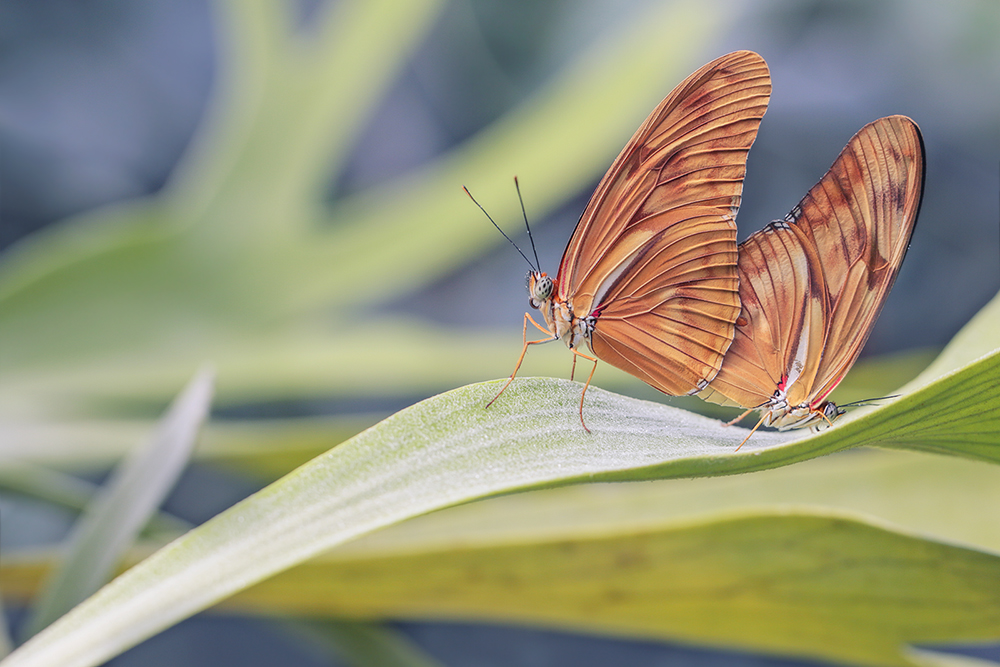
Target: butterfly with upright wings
653	283
812	285
649	279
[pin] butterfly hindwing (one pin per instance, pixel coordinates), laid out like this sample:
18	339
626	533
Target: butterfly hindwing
813	285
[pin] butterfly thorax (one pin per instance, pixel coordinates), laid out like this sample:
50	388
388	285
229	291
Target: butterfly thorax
558	313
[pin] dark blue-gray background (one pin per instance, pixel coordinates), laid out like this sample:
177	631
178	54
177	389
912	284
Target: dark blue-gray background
99	98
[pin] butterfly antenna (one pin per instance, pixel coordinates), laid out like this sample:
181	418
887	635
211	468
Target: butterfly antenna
517	186
866	401
500	230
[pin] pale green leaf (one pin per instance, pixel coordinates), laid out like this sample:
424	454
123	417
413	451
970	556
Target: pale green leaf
927	658
821	585
272	447
449	450
977	338
61	489
540	557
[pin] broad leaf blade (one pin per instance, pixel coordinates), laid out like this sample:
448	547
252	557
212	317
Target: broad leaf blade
823	585
385	574
441	452
976	339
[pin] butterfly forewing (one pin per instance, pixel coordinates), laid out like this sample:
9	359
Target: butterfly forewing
813	284
654	253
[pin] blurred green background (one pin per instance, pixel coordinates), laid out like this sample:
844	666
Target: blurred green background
275	188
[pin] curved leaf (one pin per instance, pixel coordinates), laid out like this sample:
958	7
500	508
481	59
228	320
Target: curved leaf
449	450
827	586
388	572
976	339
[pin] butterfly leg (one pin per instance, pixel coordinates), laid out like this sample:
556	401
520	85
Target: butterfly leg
524	339
822	414
740	418
577	353
752	431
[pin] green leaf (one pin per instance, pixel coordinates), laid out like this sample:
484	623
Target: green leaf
976	339
449	450
476	561
68	491
952	407
114	518
270	448
823	585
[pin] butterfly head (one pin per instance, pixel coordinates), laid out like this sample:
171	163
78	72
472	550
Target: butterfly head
800	416
823	414
540	288
831	411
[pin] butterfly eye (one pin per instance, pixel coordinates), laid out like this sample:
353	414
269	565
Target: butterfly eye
543	289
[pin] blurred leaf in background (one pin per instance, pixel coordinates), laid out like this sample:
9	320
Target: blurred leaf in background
238	259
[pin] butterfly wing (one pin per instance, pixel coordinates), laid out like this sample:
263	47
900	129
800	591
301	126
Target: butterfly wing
654	254
813	284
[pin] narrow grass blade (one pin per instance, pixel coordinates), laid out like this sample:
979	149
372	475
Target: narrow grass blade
114	518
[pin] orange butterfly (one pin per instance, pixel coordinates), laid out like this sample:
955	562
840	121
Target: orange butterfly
812	284
649	279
